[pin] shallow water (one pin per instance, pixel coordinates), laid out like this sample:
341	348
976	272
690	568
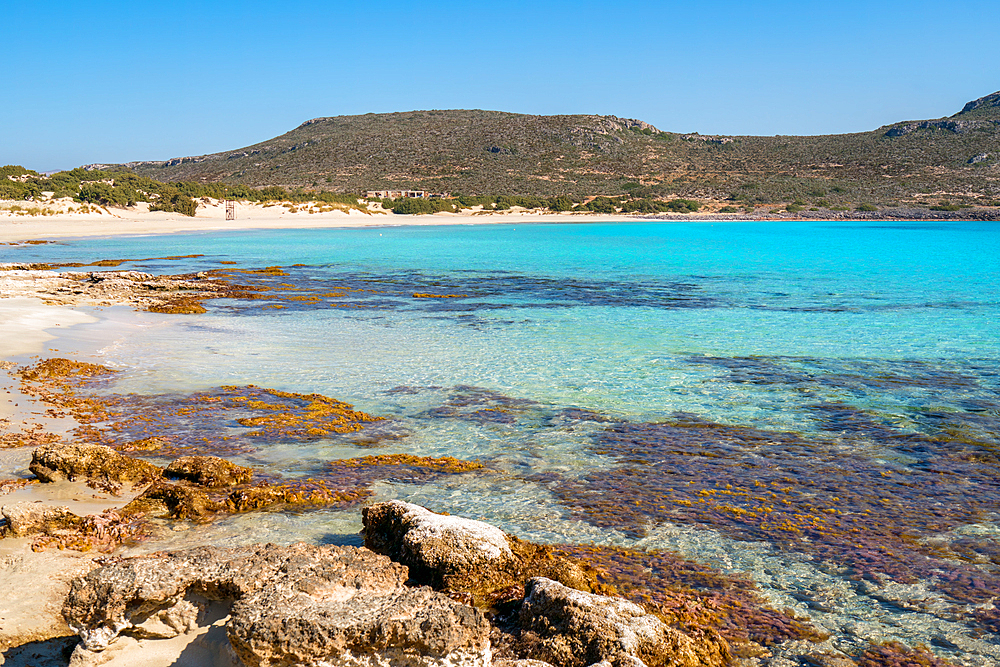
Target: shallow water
814	404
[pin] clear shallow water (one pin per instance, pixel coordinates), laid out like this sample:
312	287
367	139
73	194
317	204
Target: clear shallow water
836	353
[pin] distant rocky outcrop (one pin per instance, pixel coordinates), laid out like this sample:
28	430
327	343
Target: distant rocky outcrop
989	101
956	126
180	294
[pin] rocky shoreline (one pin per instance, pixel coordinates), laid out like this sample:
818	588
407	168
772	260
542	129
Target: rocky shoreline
178	294
426	589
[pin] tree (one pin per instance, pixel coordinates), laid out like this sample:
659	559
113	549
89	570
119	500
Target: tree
561	203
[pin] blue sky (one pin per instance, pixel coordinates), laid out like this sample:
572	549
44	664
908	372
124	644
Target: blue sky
108	81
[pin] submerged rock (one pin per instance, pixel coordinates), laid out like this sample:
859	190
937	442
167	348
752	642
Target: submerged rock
56	462
292	605
575	629
210	471
174	501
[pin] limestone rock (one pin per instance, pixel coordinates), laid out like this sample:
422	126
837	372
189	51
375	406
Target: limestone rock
56	462
210	471
355	610
463	556
575	629
34	586
25	518
291	605
174	501
991	100
443	551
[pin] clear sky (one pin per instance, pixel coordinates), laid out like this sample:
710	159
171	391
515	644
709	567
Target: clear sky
111	81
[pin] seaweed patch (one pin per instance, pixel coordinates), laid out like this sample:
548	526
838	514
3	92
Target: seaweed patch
871	516
221	421
695	598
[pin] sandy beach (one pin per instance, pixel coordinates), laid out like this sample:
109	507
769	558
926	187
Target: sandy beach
211	217
40	310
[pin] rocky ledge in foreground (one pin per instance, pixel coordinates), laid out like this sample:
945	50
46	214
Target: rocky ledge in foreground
326	605
297	605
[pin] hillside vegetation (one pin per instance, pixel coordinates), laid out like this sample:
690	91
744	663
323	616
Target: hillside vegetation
490	152
601	164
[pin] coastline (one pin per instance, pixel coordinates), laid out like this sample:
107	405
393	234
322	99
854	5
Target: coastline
20	564
56	223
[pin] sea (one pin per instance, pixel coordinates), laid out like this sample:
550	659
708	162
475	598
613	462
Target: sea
814	405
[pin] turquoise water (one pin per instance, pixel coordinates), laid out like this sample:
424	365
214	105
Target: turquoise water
576	358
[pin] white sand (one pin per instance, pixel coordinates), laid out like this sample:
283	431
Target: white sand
211	217
24	324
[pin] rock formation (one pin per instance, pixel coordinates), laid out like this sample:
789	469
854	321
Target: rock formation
315	605
291	606
24	519
210	471
574	629
56	462
559	622
463	556
446	552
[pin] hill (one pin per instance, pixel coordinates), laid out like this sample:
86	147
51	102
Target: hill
491	152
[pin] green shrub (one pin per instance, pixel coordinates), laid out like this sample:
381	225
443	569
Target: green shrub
106	194
561	204
683	206
418	206
728	209
641	206
14	190
602	205
16	170
866	208
411	206
176	202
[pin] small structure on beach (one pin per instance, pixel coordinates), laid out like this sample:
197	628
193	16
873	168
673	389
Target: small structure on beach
397	194
403	194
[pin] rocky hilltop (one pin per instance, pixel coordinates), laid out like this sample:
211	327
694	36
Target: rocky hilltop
491	152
